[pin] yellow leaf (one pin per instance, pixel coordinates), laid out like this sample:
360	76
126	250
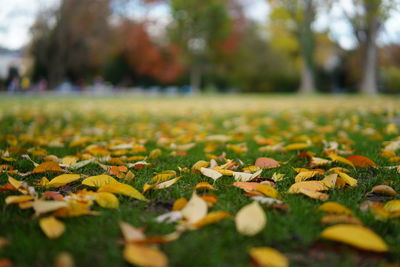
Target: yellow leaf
107	200
310	185
268	257
268	190
384	190
64	259
17	184
52	227
392	206
314	194
330	180
204	185
155	153
316	162
355	235
244	176
167	183
212	217
340	218
163	176
297	146
334	207
301	176
195	209
130	233
44	206
348	179
63	179
200	164
69	160
123	189
337	158
17	199
179	204
99	180
250	219
144	256
213	174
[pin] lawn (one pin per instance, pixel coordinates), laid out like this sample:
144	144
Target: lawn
128	136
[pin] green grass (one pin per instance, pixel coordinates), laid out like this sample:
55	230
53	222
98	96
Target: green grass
96	240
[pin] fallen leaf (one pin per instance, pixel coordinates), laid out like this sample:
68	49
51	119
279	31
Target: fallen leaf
355	235
144	256
340	159
301	176
48	166
130	233
64	259
52	227
244	176
163	176
44	206
361	161
268	257
213	174
204	185
383	190
99	180
347	178
123	189
107	200
63	179
211	217
268	191
340	218
266	163
179	204
195	209
313	194
334	207
17	199
250	219
309	185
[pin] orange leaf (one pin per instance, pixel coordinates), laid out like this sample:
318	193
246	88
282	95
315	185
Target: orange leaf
361	161
48	166
266	163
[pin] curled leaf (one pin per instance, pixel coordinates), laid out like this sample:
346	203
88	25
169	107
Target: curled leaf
357	236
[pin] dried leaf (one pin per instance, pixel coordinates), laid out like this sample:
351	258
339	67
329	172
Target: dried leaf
213	174
63	179
268	257
44	206
334	207
383	190
195	209
144	256
179	204
204	185
17	199
52	227
250	219
266	163
309	185
340	159
107	200
314	194
130	233
268	191
348	179
357	236
212	217
99	180
48	166
123	189
301	176
361	161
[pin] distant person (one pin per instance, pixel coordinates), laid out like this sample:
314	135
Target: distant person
25	84
13	86
42	85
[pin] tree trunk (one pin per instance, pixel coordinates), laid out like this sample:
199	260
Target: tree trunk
307	46
195	78
369	82
307	85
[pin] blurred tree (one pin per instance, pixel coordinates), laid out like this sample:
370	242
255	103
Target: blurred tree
291	22
199	27
72	42
367	18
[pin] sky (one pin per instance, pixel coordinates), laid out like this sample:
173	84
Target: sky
16	17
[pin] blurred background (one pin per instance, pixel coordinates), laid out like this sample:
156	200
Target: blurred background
191	46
